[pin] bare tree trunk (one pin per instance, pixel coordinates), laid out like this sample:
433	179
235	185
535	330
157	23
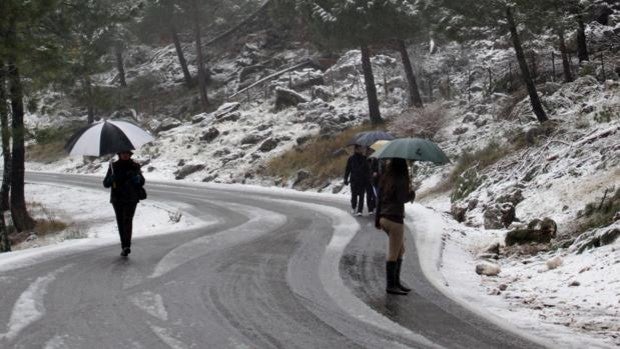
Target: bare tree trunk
177	45
568	76
6	145
118	52
5	243
202	76
371	90
582	45
21	218
89	99
525	72
414	92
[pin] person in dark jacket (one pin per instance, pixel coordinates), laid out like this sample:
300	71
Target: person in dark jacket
357	174
125	178
394	191
373	181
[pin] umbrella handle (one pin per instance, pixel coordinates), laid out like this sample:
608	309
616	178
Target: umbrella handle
111	167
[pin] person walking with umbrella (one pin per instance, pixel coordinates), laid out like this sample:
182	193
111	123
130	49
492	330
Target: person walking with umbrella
394	191
124	176
357	173
125	179
373	181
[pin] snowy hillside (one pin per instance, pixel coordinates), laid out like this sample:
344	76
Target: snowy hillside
552	170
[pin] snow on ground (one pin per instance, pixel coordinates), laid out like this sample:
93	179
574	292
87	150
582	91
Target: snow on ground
557	175
536	301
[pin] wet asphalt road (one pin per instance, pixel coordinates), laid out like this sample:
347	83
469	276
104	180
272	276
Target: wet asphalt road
269	271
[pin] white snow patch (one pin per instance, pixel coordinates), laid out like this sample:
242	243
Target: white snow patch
538	303
29	306
151	303
168	338
91	222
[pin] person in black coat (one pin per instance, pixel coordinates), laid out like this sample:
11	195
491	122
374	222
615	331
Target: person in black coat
373	181
125	178
356	173
394	191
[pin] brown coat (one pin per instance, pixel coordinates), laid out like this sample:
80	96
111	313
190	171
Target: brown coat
392	205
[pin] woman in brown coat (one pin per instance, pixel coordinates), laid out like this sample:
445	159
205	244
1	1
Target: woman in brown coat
394	191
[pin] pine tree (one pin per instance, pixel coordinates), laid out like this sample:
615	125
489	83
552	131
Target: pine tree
31	54
6	139
464	19
90	28
347	24
558	20
162	16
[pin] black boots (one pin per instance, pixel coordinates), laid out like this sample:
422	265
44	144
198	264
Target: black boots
400	285
126	252
391	278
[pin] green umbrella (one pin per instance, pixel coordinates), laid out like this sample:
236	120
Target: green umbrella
412	149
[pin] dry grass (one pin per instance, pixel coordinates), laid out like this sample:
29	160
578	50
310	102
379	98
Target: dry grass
46	153
420	122
49	145
48	224
324	158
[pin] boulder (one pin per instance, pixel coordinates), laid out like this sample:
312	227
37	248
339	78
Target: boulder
460	131
488	269
221	152
538	231
287	98
234	116
268	145
493	248
196	119
166	125
306	79
554	262
499	216
302	140
224	109
301	176
458	212
550	88
252	139
321	92
596	238
210	134
515	196
187	170
470	117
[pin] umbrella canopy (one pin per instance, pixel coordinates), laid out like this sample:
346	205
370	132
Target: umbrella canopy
366	139
378	145
107	137
412	149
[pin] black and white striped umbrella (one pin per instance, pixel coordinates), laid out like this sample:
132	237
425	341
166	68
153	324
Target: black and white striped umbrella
107	137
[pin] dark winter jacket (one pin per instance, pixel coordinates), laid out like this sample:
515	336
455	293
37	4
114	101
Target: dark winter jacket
357	171
392	205
125	178
374	168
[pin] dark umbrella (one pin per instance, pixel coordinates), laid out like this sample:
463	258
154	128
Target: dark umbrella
107	137
366	139
412	149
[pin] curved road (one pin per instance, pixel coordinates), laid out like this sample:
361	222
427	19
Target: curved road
270	270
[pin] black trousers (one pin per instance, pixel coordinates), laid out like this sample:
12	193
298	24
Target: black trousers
124	212
371	198
357	196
